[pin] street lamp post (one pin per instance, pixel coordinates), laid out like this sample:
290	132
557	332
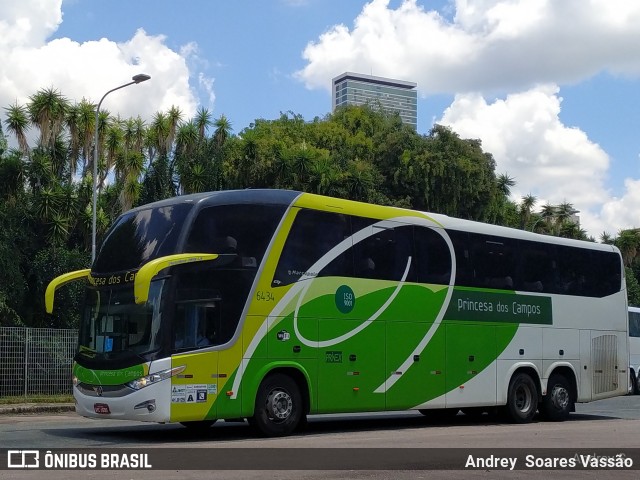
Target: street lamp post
141	77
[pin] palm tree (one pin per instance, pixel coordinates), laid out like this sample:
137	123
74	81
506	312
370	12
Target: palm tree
203	121
47	110
222	131
86	121
157	136
72	120
548	214
174	118
565	211
504	184
628	241
114	143
17	123
187	139
528	202
103	126
606	238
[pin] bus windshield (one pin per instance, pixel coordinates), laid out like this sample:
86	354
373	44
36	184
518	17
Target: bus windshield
114	328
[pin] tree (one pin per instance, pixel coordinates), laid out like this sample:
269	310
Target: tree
526	207
48	110
633	288
17	123
628	241
222	131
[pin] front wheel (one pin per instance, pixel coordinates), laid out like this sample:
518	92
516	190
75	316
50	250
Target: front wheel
278	409
522	398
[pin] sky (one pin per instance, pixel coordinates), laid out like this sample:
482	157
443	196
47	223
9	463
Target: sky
551	88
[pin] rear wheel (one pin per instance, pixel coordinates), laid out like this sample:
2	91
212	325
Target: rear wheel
279	407
522	398
635	386
557	403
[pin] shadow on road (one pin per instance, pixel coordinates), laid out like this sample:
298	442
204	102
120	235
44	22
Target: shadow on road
157	434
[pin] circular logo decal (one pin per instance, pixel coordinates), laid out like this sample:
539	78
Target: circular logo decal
345	299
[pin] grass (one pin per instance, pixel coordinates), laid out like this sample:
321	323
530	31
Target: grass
62	398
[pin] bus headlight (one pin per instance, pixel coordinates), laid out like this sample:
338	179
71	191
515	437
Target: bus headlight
152	378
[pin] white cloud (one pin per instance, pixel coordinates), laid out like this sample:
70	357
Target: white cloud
554	162
29	61
621	213
490	45
489	48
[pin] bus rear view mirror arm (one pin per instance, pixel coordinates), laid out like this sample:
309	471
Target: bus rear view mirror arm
149	270
59	282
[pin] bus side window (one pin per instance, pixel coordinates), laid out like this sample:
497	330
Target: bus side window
385	254
464	268
538	268
493	262
196	325
433	259
634	324
313	234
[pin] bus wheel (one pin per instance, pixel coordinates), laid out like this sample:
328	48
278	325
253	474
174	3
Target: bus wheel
635	386
199	425
278	406
556	404
522	398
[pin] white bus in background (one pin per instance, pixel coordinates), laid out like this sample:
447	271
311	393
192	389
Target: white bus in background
634	348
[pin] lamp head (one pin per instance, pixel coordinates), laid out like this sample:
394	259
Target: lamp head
141	77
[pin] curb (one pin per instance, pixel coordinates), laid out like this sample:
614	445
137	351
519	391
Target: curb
18	409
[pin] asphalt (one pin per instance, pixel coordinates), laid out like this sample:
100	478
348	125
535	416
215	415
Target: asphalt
27	408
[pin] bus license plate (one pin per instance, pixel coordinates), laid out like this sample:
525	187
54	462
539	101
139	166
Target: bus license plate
102	408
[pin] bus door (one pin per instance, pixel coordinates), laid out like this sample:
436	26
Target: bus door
194	391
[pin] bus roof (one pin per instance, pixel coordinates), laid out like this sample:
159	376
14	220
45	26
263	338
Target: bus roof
291	197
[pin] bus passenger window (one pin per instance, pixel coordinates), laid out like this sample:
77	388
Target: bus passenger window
196	325
313	234
433	258
386	253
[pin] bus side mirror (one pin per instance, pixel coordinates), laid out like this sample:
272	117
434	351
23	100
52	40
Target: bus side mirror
59	282
149	270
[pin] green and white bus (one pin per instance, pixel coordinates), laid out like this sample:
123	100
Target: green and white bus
271	305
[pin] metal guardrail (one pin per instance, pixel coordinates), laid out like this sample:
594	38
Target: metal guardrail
36	361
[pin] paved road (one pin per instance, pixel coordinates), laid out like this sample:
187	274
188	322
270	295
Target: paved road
613	423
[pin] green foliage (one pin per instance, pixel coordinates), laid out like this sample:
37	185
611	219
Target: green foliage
633	288
46	265
359	153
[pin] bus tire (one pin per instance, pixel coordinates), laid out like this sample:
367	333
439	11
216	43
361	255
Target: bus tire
278	409
635	388
557	403
522	398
